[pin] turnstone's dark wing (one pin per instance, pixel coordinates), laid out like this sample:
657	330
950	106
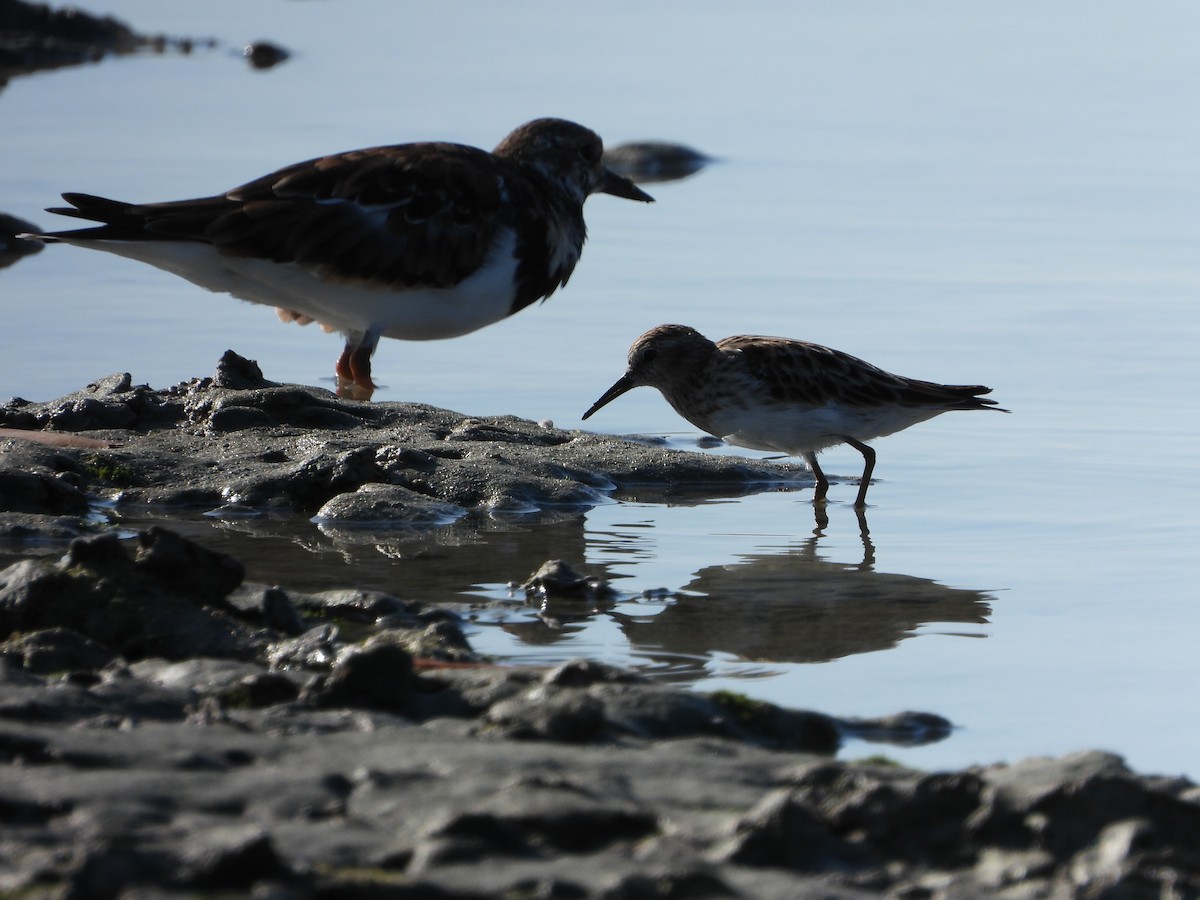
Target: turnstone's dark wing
402	216
800	372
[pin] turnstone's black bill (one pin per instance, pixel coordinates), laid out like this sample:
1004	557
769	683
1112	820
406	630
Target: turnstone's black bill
412	241
770	393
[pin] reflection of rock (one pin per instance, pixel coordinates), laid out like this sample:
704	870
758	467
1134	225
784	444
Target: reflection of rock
906	729
650	161
34	37
796	607
12	248
436	565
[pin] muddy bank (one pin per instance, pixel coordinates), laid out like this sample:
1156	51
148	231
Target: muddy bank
238	442
167	725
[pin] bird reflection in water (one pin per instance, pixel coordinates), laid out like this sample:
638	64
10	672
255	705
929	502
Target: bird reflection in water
792	605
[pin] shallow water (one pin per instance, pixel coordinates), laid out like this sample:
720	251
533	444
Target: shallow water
1004	195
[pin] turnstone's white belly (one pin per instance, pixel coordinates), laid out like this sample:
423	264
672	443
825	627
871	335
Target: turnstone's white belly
345	305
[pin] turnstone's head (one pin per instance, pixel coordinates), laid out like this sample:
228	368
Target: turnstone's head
568	155
660	358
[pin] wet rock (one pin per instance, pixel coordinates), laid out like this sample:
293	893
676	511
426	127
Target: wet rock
257	408
105	870
260	689
1065	804
31	529
360	606
775	726
111	403
782	831
646	162
530	817
570	716
315	650
56	650
166	598
39	492
441	640
270	607
386	505
586	672
230	856
224	780
40	479
907	729
178	564
264	54
239	374
556	578
236	441
585	702
378	675
13	248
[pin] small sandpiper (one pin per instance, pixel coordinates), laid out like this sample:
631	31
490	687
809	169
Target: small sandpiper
412	241
772	393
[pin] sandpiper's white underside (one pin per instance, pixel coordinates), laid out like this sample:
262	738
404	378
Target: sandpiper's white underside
351	307
795	429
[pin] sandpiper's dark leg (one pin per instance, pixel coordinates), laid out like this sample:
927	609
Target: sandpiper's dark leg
864	532
868	457
821	488
820	518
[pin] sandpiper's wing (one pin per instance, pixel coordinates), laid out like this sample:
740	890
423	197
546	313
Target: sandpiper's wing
812	375
401	216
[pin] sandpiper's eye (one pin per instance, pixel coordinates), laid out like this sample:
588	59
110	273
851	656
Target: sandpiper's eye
648	354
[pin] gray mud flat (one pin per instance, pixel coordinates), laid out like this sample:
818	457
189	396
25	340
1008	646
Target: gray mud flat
239	441
168	728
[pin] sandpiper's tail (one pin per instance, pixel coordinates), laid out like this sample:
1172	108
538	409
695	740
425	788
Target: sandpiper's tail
969	396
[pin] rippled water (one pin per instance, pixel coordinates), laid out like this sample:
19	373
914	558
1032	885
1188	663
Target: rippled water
1004	195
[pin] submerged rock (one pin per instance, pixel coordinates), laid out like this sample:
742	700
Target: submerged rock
264	54
13	248
646	162
556	578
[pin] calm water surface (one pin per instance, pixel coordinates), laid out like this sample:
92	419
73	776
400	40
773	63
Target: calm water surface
1005	196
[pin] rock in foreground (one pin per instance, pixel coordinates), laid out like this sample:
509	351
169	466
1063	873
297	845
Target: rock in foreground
166	728
237	441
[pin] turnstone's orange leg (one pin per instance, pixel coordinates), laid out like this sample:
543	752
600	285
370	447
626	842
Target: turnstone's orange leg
354	369
869	458
344	370
821	488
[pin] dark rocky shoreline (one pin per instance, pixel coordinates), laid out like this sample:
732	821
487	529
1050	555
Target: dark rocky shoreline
169	728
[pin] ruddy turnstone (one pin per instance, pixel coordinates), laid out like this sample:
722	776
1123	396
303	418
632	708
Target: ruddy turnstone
771	393
412	241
